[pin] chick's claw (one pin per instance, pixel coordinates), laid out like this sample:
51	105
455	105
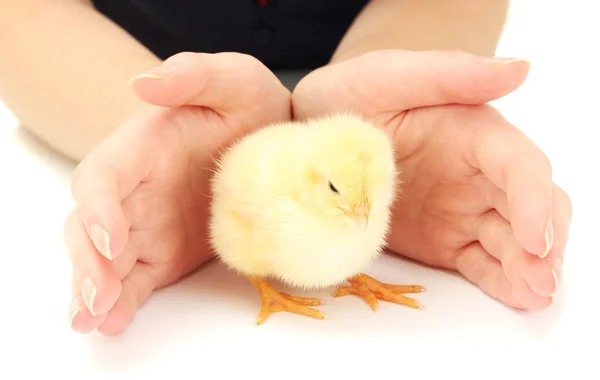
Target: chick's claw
273	302
372	290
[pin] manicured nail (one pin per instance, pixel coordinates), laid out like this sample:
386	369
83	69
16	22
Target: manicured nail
556	283
75	307
556	270
549	238
156	72
88	290
101	240
503	61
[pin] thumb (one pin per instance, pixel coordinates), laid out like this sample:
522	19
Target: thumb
225	82
398	80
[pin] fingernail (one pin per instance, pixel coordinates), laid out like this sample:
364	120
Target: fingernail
101	240
556	283
503	61
75	307
88	290
549	238
556	270
156	72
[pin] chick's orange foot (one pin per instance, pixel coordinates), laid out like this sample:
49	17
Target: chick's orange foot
371	290
274	301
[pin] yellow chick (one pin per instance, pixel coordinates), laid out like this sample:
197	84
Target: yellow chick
308	204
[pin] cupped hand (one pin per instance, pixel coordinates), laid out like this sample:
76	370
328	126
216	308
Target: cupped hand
478	195
141	197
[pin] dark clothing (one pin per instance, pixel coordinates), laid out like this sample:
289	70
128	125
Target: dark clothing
283	34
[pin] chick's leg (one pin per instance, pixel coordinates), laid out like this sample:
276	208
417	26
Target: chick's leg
371	290
274	301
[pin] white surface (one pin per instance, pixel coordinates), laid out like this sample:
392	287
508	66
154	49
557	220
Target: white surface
203	326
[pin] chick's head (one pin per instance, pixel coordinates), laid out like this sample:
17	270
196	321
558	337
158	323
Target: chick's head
352	170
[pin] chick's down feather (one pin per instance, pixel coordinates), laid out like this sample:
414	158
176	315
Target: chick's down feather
309	204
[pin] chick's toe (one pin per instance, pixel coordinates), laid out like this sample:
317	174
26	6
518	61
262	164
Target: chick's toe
274	301
372	290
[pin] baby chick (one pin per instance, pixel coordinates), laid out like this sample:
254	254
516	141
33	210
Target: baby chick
308	204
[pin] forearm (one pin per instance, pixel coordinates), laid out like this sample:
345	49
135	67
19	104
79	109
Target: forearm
64	70
474	26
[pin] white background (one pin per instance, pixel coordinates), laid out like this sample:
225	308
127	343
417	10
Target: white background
203	327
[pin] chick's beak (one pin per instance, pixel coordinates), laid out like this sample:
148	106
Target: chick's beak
360	215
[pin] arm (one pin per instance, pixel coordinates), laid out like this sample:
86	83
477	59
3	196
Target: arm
474	26
64	69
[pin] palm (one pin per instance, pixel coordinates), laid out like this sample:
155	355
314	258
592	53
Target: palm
476	192
147	184
442	197
168	210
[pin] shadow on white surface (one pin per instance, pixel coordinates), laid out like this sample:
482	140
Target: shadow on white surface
214	308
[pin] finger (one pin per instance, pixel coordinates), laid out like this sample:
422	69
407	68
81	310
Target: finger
531	277
398	80
519	168
137	287
562	214
226	82
80	318
477	266
95	277
107	176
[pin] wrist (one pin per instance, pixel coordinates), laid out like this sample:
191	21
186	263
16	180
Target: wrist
473	26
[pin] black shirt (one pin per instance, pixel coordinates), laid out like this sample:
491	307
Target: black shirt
283	34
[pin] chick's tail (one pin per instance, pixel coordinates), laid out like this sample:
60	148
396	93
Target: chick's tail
274	301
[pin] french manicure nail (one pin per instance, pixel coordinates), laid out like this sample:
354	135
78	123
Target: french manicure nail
503	61
75	307
101	240
556	283
548	237
88	290
156	72
146	75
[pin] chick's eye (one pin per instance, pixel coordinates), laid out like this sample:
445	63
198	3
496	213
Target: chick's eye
333	188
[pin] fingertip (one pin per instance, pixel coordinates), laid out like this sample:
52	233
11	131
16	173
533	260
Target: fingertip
473	79
527	289
101	240
516	65
540	276
531	221
114	324
170	83
80	318
94	279
536	302
102	294
155	89
548	238
109	241
147	75
533	240
99	208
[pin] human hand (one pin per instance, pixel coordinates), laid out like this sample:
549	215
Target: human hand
477	194
147	184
